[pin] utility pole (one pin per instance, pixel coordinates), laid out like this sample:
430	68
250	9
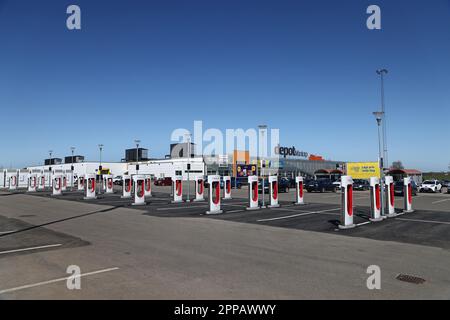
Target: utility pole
382	73
72	167
379	116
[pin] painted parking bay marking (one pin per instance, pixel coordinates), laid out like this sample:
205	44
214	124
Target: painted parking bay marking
298	215
424	221
56	280
31	248
439	201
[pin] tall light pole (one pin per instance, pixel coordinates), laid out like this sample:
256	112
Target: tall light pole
262	129
188	140
137	142
72	149
382	73
379	116
50	169
100	147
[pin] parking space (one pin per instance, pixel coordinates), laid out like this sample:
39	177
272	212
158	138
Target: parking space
18	237
321	213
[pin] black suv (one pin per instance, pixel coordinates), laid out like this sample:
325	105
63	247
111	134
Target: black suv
399	188
361	185
320	185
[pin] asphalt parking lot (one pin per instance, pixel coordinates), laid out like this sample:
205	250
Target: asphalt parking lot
162	236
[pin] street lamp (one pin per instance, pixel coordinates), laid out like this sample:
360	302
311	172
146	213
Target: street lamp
188	140
382	73
72	149
379	117
100	147
50	169
137	142
262	129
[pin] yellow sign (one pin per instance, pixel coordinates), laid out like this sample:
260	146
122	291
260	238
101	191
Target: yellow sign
363	170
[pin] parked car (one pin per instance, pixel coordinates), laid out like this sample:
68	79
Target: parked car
361	185
284	185
399	188
117	180
320	185
430	186
337	184
163	182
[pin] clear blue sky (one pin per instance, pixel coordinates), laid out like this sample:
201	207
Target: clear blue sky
148	67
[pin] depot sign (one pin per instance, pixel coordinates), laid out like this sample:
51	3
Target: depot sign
292	152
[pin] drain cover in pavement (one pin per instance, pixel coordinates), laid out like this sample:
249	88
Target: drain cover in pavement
410	279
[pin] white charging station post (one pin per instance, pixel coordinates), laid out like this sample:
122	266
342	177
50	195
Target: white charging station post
407	186
127	185
57	184
299	191
41	183
375	200
32	182
89	186
226	187
177	189
347	203
139	190
64	183
199	188
390	197
214	195
80	179
109	183
273	191
12	181
148	186
253	193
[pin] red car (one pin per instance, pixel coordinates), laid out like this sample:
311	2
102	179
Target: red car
163	182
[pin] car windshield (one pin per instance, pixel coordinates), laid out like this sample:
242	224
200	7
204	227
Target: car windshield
428	182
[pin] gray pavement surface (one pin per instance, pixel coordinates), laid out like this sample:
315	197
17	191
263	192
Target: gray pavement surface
175	251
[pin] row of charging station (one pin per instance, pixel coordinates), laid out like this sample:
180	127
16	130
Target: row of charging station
376	188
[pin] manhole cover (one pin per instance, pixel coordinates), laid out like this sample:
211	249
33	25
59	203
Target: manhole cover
410	279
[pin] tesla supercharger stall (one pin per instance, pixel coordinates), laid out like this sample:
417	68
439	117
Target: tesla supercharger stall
139	190
390	197
57	184
300	191
346	203
214	195
64	183
89	186
253	193
199	189
226	187
109	183
375	200
127	185
32	183
407	186
177	189
81	183
12	181
273	191
41	182
148	186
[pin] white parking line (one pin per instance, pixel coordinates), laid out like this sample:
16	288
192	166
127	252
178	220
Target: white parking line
424	221
439	201
31	248
297	215
178	208
56	280
5	232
